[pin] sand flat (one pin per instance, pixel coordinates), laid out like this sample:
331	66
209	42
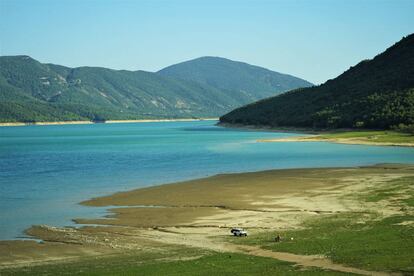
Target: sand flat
259	200
348	141
199	213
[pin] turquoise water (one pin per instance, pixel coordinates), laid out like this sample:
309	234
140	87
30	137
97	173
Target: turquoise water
46	170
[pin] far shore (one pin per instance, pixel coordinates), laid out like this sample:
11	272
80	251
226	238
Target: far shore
105	122
348	141
368	137
275	129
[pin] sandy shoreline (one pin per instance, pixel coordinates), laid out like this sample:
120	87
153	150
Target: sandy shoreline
107	122
311	135
349	141
199	213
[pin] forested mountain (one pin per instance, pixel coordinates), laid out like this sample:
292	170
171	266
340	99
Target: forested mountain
377	93
32	91
251	82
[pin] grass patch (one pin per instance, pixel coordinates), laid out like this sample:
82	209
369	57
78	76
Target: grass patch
211	264
231	264
409	201
373	136
393	189
380	195
374	245
108	264
360	240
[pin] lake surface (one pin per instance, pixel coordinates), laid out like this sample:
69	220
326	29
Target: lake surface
46	170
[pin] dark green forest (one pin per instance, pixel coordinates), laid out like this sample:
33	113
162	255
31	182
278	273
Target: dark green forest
374	94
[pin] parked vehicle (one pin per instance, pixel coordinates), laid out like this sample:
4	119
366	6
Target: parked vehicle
238	232
235	229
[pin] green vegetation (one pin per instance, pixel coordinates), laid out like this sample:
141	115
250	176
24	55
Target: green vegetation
409	201
232	76
372	136
119	263
364	240
31	91
399	189
375	94
375	245
231	264
137	264
404	128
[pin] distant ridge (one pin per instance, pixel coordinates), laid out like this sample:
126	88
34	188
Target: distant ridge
377	93
233	76
31	91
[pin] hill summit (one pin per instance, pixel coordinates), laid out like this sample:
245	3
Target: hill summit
377	93
249	81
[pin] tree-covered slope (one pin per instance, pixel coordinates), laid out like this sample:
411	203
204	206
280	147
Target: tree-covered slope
241	80
377	93
32	91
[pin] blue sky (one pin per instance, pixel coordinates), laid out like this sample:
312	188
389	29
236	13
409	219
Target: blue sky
314	40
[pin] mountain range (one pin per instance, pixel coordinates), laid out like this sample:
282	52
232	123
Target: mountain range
31	91
376	94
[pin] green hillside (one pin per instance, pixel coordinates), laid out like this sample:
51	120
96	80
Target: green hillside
251	82
377	93
32	91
